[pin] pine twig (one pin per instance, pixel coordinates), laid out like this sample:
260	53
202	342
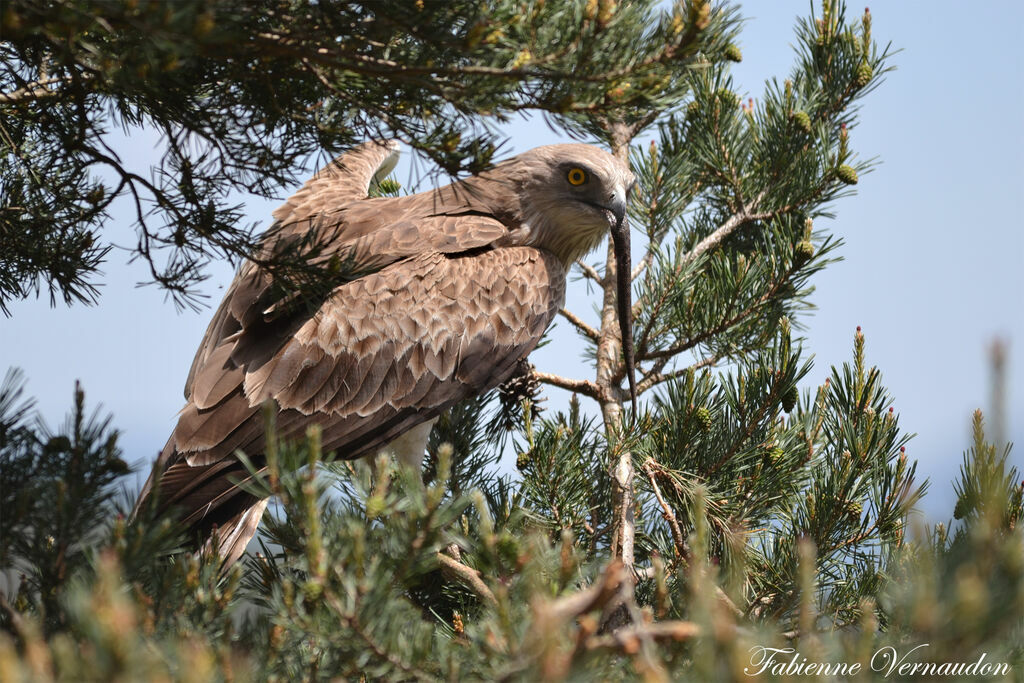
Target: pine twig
629	639
712	241
469	577
580	386
577	322
655	376
589	271
666	511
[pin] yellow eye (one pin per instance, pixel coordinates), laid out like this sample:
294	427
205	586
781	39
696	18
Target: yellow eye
577	176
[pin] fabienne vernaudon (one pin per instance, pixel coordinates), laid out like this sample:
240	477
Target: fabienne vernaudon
887	661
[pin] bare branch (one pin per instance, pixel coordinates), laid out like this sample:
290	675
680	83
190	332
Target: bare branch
580	386
666	511
629	639
596	596
467	576
712	241
589	271
40	90
645	262
582	327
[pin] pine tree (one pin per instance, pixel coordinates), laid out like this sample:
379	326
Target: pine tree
245	93
740	507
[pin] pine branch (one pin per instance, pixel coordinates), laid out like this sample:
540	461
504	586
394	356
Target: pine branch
582	327
579	386
666	511
469	577
379	650
717	329
714	240
41	90
655	377
589	271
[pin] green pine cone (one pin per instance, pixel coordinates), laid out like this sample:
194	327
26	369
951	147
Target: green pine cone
375	505
864	74
789	400
733	54
802	253
775	453
802	121
847	174
854	508
727	97
523	460
692	109
312	590
703	416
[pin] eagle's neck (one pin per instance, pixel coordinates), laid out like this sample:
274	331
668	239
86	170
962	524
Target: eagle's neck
565	239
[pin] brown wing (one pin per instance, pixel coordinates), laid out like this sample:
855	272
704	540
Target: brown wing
383	354
345	180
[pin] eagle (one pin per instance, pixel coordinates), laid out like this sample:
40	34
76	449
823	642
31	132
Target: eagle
450	290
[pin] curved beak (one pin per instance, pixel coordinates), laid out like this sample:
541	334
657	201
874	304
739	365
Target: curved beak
617	206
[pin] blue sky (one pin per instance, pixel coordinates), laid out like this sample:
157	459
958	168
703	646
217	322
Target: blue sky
933	269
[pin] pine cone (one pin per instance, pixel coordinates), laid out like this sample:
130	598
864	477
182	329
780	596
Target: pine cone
864	74
847	174
727	97
789	400
802	121
802	253
703	416
733	54
523	385
523	460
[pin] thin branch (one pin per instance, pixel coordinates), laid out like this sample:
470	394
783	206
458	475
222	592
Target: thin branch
582	327
629	639
466	575
40	90
655	376
716	238
666	511
645	262
588	599
589	271
580	386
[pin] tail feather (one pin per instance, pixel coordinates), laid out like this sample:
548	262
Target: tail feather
205	499
234	536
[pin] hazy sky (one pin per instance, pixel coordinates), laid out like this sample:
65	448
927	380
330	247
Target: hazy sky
933	269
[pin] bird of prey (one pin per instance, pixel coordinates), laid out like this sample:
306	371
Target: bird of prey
452	289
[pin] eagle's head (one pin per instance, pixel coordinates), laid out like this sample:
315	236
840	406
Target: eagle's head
571	196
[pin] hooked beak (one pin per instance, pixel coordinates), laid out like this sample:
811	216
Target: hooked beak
617	206
624	288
